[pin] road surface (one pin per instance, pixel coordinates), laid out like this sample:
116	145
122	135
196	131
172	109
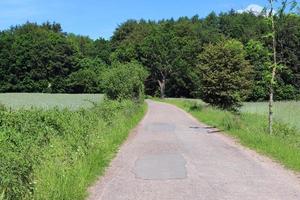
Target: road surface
171	156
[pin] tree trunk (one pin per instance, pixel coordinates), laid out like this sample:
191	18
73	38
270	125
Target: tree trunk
273	70
162	87
271	111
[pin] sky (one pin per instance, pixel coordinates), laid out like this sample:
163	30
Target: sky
99	18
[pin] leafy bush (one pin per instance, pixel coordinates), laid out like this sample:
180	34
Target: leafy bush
285	92
84	81
87	78
125	81
55	154
225	74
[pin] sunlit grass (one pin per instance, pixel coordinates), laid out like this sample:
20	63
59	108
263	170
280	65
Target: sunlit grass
57	153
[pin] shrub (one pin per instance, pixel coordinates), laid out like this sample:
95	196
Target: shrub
56	154
225	74
84	81
87	78
125	81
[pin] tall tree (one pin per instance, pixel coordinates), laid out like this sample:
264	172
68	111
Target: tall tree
273	14
225	74
160	54
35	58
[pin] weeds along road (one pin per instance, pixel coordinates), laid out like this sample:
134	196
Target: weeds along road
171	156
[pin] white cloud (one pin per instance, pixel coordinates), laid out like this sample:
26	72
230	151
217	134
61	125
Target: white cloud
253	8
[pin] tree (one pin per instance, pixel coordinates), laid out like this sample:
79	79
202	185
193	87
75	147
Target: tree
83	44
87	78
102	50
273	34
35	58
225	74
159	52
125	81
258	56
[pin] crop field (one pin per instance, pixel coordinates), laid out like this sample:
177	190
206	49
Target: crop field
46	101
285	111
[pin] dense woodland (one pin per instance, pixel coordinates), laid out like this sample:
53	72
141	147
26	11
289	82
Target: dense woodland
43	58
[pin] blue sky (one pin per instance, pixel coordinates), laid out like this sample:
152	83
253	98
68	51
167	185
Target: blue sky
99	18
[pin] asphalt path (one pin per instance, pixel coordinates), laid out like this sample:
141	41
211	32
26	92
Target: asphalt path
172	156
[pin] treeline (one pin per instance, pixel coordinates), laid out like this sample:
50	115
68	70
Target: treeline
42	58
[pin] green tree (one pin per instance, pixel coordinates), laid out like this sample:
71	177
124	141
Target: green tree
102	50
259	58
160	53
225	74
273	15
125	81
83	44
87	78
35	58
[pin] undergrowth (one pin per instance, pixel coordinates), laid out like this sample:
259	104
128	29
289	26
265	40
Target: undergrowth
56	154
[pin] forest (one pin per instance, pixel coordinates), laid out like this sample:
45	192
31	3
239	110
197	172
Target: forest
43	58
68	102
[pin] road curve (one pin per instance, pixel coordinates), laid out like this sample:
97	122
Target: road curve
171	156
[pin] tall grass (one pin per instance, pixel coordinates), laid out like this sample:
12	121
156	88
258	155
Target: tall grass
251	130
56	154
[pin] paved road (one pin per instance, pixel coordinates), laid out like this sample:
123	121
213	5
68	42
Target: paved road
170	156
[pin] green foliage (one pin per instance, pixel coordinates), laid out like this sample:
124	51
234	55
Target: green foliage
42	58
83	44
184	39
125	81
56	154
259	58
225	74
35	58
84	81
87	78
102	50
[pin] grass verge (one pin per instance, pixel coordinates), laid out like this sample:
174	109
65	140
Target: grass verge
56	154
251	131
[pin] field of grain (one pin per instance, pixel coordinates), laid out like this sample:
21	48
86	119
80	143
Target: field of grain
46	101
285	111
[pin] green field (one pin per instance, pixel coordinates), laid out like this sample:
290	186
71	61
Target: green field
285	111
42	100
